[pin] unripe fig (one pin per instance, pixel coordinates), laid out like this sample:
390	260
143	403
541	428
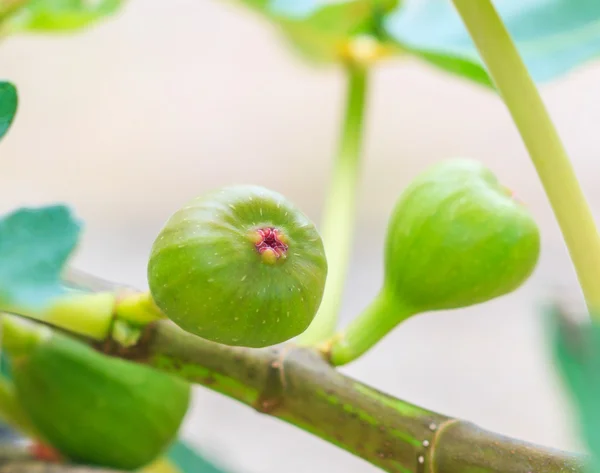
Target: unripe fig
455	238
239	266
92	408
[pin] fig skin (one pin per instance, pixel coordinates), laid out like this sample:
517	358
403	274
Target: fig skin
95	409
239	266
457	238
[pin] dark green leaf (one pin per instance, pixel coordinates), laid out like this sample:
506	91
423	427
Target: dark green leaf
553	36
60	15
320	29
35	245
8	106
576	348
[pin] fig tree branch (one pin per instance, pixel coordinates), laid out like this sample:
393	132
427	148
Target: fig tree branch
299	387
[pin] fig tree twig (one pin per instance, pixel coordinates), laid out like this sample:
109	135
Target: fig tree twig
298	386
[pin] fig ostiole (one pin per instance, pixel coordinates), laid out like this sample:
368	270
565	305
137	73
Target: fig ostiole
455	238
92	408
239	266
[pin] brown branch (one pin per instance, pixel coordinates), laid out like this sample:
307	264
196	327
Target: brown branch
301	388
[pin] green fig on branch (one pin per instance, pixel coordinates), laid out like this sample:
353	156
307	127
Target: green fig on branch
92	408
455	238
239	266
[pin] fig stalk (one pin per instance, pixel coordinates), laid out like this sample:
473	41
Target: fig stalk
340	207
541	139
137	308
366	330
456	238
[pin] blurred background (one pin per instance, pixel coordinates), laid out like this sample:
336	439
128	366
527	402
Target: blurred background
130	119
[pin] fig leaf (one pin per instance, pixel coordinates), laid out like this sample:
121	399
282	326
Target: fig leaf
35	244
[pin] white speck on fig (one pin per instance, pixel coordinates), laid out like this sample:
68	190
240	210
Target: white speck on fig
236	318
211	280
243	277
277	319
264	321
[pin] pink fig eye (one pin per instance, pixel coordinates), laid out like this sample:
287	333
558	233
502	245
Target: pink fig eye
272	240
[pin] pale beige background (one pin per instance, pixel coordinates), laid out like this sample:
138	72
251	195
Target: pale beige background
129	120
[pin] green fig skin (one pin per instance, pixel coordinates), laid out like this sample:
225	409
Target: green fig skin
98	410
457	238
210	274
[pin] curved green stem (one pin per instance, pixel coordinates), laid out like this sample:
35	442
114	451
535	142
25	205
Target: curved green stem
374	323
338	218
541	139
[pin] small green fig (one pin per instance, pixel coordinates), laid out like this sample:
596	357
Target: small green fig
456	238
239	266
92	408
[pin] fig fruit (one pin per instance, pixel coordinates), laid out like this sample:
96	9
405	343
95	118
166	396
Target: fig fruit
455	238
239	266
92	408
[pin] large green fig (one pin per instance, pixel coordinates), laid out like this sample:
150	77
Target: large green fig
456	238
92	408
239	266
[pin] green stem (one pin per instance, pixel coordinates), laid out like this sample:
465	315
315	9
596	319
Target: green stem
375	322
137	308
90	315
299	387
338	218
93	315
541	139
